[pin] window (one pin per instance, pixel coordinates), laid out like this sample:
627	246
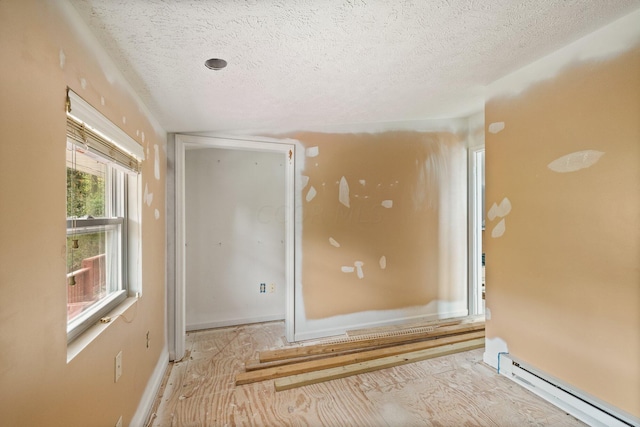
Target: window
101	171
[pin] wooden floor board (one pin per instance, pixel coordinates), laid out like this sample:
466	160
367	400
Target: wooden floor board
453	390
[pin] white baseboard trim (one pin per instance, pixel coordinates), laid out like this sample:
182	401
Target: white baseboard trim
331	332
585	408
150	392
234	322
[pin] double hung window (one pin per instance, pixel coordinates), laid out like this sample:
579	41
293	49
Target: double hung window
99	171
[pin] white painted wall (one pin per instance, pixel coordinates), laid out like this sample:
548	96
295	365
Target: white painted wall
235	234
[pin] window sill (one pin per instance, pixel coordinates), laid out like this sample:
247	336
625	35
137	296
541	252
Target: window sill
83	340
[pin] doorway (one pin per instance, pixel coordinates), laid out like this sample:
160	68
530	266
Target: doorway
234	243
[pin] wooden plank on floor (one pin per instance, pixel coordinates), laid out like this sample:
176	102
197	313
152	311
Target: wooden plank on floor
404	326
373	365
337	348
270	373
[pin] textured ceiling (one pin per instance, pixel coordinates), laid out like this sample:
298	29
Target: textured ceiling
306	64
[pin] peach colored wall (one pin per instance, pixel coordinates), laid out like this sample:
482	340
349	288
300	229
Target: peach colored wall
421	233
563	279
42	54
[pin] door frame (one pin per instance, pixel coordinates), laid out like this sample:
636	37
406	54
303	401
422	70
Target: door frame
475	175
177	299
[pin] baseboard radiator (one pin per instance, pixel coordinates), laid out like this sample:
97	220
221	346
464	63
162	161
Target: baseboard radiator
585	408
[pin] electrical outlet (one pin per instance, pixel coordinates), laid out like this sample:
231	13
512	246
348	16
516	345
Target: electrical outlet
272	288
263	288
119	422
118	366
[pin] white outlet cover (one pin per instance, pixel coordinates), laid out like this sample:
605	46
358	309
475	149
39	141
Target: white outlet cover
118	366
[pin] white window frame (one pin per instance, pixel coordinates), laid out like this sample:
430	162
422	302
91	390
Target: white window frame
122	205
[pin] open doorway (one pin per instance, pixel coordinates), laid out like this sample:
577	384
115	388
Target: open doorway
234	245
476	230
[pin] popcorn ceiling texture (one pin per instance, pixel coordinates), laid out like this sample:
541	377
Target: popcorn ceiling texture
308	64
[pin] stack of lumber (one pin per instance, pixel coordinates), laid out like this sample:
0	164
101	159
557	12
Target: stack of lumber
363	351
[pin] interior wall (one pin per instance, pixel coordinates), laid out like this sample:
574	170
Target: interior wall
383	229
563	208
45	48
235	234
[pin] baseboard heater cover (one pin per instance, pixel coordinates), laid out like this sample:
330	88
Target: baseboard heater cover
585	408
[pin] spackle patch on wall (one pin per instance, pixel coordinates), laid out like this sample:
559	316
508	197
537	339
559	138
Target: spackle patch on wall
362	182
499	229
575	161
156	213
63	58
83	83
359	271
383	262
312	151
311	194
156	162
387	204
496	127
305	181
347	269
343	195
333	242
148	197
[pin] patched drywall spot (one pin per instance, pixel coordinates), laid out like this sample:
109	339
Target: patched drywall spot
63	58
500	211
124	120
496	127
575	161
333	242
305	181
362	182
359	272
387	204
148	197
156	213
493	348
487	313
156	162
83	83
347	269
142	136
499	229
102	101
343	195
383	262
312	151
311	194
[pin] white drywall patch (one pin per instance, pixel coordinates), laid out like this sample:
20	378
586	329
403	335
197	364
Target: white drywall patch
487	313
343	195
305	181
383	262
362	182
333	242
347	269
83	83
493	212
499	229
156	213
359	271
63	58
311	194
387	204
102	101
312	151
504	208
142	136
496	127
156	162
575	161
124	120
148	197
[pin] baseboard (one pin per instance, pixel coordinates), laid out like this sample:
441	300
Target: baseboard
579	404
233	322
331	332
150	392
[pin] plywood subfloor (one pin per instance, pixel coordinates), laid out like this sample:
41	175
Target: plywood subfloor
454	390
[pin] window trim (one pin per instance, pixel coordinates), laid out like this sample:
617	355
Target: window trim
88	128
